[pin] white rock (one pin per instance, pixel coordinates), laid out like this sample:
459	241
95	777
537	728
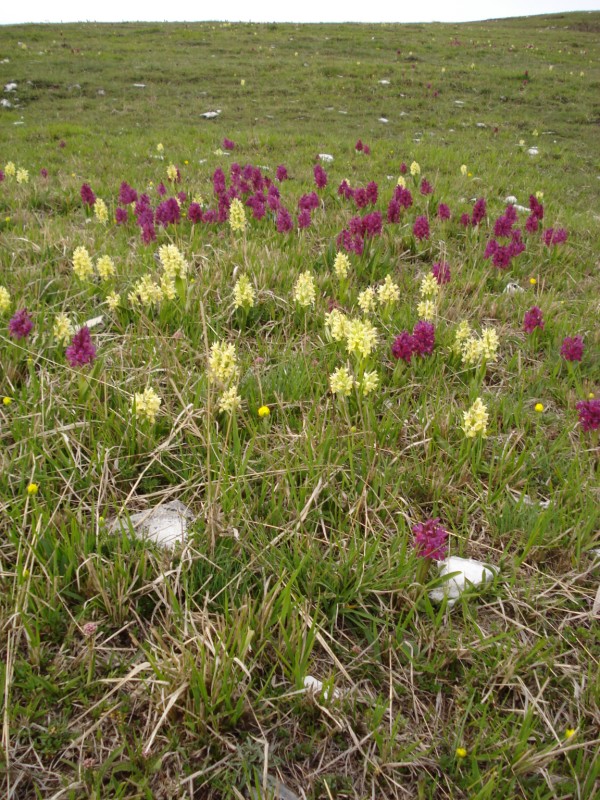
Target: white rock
384	82
383	119
139	85
512	288
326	157
165	525
521	208
511	200
94	322
19	122
533	151
469	573
10	87
459	102
315	686
211	114
5	103
480	125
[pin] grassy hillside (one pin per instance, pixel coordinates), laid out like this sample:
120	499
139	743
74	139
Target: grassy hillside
311	412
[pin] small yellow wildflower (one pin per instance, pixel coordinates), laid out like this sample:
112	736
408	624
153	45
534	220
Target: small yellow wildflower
82	263
489	344
472	350
570	732
172	172
532	281
401	181
22	176
222	362
361	337
172	261
264	411
443	69
304	290
229	401
4	299
463	169
6	401
105	267
147	403
32	488
475	420
539	196
336	323
472	65
463	332
426	310
62	330
366	301
539	407
521	142
461	752
167	287
148	291
341	382
591	395
535	133
388	292
415	169
101	211
113	301
243	293
186	162
10	170
237	215
370	382
243	82
341	265
160	147
429	286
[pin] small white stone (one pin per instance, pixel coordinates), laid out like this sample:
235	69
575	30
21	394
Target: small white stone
139	85
165	525
533	151
94	322
5	103
384	82
210	114
469	572
326	157
511	200
315	686
10	87
383	119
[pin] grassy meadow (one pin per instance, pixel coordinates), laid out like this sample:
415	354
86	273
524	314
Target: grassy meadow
294	358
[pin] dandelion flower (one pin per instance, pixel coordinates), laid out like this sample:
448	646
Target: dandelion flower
366	301
388	293
370	382
62	329
82	264
105	267
146	404
22	176
361	337
32	489
461	752
237	215
4	299
426	310
222	362
263	411
243	293
539	407
475	420
6	401
569	733
341	382
229	401
341	265
304	290
101	211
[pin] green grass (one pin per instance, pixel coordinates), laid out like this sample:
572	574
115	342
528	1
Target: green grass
300	560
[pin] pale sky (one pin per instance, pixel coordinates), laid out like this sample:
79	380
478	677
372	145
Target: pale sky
278	11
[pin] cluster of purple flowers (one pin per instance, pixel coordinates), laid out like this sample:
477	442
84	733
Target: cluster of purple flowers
477	215
20	324
572	348
554	236
281	173
533	319
87	195
443	211
228	144
320	176
426	188
360	147
127	194
421	228
589	414
441	272
81	351
431	539
420	343
537	214
352	238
